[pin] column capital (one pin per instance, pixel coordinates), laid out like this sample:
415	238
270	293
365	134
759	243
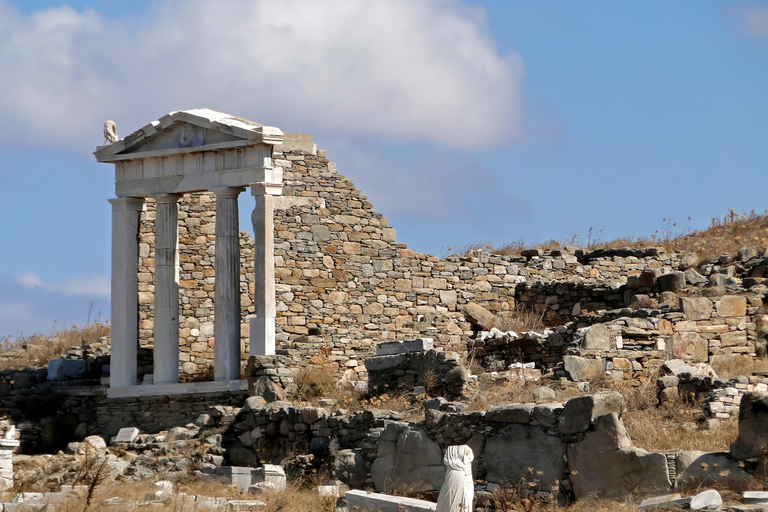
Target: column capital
167	198
127	203
264	188
227	191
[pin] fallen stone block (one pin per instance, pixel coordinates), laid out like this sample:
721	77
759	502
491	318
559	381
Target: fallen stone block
245	505
375	502
478	315
660	502
582	369
126	435
707	500
755	497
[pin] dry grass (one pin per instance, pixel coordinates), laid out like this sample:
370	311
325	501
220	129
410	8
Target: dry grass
489	393
313	382
743	366
726	235
520	320
36	350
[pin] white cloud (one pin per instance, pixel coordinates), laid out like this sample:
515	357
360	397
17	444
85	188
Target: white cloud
754	21
424	71
95	285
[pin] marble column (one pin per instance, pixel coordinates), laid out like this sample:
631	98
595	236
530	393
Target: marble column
126	214
166	354
226	349
262	328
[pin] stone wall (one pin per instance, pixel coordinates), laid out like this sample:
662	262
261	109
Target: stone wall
344	283
49	415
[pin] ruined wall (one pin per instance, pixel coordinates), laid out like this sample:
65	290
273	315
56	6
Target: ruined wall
344	283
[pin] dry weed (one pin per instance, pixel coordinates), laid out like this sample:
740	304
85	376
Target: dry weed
312	382
489	393
35	351
743	366
521	319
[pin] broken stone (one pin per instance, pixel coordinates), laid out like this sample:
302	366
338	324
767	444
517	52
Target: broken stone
579	413
707	500
606	464
582	369
510	453
479	316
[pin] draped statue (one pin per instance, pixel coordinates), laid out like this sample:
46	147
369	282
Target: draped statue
458	489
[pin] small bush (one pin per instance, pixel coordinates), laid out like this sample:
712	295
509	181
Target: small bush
312	382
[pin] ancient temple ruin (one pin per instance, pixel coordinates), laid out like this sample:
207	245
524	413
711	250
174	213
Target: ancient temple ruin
180	153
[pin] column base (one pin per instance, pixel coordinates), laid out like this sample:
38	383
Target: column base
262	336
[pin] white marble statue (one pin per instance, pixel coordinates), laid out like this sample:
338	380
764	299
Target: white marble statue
458	489
110	132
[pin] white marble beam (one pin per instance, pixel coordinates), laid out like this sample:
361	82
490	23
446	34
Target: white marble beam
126	214
262	328
226	349
166	332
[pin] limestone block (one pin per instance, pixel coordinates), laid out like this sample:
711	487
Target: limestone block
733	339
673	282
127	435
580	412
364	500
61	369
510	453
598	337
695	470
606	464
478	315
379	363
753	426
696	308
513	413
581	369
412	461
349	467
385	348
97	442
731	305
707	500
546	415
755	497
694	278
265	388
649	276
689	346
663	502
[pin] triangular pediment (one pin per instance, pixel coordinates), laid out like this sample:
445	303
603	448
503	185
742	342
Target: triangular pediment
189	130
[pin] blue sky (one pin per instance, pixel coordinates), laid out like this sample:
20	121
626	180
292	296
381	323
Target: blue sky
472	121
